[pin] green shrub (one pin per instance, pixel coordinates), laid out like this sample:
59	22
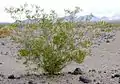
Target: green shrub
57	44
52	51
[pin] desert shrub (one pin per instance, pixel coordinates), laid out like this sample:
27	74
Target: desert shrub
105	26
7	30
2	25
12	26
4	32
57	42
53	49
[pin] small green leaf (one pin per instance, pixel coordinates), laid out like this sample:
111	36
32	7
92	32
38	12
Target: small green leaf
24	52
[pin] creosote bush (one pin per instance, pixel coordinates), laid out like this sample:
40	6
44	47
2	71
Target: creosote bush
50	43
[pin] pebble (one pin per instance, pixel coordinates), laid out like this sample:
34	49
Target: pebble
77	71
30	82
115	76
2	43
84	79
11	77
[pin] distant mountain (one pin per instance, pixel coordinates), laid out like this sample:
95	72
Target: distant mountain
95	19
115	17
69	18
28	21
90	17
104	18
4	23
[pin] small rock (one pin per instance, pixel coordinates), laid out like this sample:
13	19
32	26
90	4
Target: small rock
30	82
6	53
93	70
2	43
77	71
25	62
94	80
97	83
119	80
11	77
67	81
1	53
1	63
90	71
107	41
69	72
98	43
116	76
99	72
1	75
84	79
116	70
112	77
104	71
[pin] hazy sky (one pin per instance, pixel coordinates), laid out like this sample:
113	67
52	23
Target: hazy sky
97	7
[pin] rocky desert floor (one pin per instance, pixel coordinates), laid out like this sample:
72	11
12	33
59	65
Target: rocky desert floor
102	67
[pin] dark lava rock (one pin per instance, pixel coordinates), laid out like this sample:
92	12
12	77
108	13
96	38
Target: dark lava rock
94	80
115	76
1	75
30	82
11	77
119	80
2	43
108	36
105	72
69	72
99	72
97	83
77	71
107	41
84	79
93	70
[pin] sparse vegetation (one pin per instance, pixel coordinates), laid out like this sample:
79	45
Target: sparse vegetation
58	42
49	41
4	32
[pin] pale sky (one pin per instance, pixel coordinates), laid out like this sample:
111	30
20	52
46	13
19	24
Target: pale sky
97	7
